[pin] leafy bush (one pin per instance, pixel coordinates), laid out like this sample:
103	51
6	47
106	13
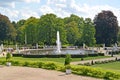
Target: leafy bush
26	64
95	72
67	59
15	63
40	64
111	76
49	65
67	67
76	69
8	57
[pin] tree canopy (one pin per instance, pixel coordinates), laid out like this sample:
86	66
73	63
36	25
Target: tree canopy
106	26
74	30
7	30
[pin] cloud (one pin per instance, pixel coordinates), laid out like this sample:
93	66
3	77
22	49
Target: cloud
27	13
12	14
12	3
46	9
7	4
31	1
62	8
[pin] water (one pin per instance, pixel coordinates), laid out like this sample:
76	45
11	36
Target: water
58	43
53	51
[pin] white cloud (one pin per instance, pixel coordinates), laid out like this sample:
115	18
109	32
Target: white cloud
92	11
61	5
30	1
12	14
62	8
7	4
46	9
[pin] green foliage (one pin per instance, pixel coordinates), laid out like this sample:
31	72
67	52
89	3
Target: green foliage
72	32
68	67
8	56
7	30
111	76
88	33
106	26
95	72
49	65
76	69
67	59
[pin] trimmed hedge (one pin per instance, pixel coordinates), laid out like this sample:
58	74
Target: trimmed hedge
76	69
58	55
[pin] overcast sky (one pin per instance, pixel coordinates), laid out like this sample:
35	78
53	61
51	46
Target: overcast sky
23	9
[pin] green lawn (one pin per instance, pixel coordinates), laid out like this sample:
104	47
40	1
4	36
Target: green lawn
61	60
115	66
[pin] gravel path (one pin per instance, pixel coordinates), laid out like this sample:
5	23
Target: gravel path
26	73
103	59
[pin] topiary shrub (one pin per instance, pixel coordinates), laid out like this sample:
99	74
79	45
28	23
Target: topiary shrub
67	59
8	57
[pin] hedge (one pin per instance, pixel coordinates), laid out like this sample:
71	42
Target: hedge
57	55
76	69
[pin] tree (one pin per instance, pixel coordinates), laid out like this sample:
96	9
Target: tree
72	32
74	27
49	25
31	30
7	30
106	26
88	33
20	31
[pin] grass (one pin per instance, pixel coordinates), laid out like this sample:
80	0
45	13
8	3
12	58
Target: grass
60	60
115	66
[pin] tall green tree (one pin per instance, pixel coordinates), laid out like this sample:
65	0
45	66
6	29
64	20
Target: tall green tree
49	25
20	31
7	30
106	26
88	34
31	30
77	24
72	32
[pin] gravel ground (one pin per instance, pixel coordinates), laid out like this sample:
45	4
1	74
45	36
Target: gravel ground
26	73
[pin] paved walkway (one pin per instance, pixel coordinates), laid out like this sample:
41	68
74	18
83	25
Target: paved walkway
103	59
26	73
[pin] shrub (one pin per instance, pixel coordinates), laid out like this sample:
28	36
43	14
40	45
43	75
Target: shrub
8	56
95	72
26	64
67	67
111	76
49	65
67	59
40	64
15	63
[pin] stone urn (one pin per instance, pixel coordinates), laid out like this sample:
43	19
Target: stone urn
68	69
8	63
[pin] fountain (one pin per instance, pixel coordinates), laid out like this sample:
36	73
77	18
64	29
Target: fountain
57	50
58	43
17	49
